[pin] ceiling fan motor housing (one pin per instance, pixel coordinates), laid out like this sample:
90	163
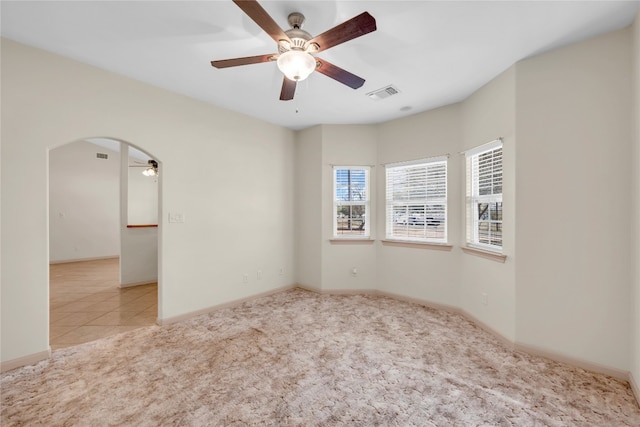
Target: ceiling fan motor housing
296	19
296	34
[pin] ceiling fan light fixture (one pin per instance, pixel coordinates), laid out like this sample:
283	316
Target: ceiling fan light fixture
152	170
149	172
296	65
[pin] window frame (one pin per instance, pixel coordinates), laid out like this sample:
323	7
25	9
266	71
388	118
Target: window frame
366	235
391	203
474	198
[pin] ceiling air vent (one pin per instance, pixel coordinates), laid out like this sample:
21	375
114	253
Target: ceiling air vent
383	93
102	155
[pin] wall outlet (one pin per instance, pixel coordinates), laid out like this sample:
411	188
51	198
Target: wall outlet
485	298
259	275
281	271
245	278
354	271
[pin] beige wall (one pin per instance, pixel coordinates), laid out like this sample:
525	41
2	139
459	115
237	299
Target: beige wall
321	263
489	114
347	146
84	202
308	204
138	246
428	274
230	175
635	159
573	273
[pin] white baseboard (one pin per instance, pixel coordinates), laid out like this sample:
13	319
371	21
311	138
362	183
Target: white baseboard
507	342
37	357
419	301
590	366
67	261
635	387
308	288
337	291
558	357
25	360
452	309
191	314
144	282
573	361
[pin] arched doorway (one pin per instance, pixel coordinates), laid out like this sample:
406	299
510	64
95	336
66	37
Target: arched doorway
97	287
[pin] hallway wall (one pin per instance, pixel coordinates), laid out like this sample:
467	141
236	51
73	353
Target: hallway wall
84	200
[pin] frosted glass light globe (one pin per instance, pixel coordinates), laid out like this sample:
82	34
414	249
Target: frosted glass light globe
296	65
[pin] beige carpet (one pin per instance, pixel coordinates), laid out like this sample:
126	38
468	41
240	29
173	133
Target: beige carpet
301	359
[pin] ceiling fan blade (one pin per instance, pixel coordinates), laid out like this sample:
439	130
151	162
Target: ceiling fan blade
288	89
348	30
337	73
224	63
260	16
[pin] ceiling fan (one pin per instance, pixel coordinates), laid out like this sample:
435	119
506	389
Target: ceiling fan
296	47
151	167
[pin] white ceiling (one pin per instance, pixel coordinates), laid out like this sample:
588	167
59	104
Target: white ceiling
435	52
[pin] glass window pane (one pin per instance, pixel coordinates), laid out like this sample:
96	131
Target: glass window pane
484	178
350	186
483	232
350	220
483	211
496	234
495	211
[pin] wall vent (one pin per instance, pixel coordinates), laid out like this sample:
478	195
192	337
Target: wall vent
383	93
102	155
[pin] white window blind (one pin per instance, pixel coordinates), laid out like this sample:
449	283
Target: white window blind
351	202
416	200
484	196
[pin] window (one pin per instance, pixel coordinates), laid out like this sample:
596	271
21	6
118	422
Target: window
484	196
351	202
416	201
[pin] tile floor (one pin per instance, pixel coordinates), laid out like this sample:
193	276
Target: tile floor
85	303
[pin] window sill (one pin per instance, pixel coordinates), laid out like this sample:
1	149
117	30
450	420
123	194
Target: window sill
421	245
494	256
352	241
